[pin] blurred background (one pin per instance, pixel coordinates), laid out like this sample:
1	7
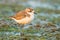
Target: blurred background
45	26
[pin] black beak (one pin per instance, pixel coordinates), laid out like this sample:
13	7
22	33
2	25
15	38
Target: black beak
35	13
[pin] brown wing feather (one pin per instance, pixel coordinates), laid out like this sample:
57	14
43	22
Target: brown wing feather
20	15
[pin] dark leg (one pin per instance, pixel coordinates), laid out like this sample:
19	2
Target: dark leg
22	25
30	24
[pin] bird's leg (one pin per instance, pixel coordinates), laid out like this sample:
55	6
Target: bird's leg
18	26
22	25
30	24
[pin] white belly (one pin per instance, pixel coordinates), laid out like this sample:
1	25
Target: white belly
25	20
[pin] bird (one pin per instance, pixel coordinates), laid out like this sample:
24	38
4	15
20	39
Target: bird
24	16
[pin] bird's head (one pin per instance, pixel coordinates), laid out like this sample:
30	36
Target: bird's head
29	10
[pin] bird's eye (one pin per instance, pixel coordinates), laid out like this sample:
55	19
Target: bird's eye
29	11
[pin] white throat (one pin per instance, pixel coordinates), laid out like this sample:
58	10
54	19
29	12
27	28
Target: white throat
31	15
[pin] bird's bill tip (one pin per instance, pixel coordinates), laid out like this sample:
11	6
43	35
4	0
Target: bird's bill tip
35	13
